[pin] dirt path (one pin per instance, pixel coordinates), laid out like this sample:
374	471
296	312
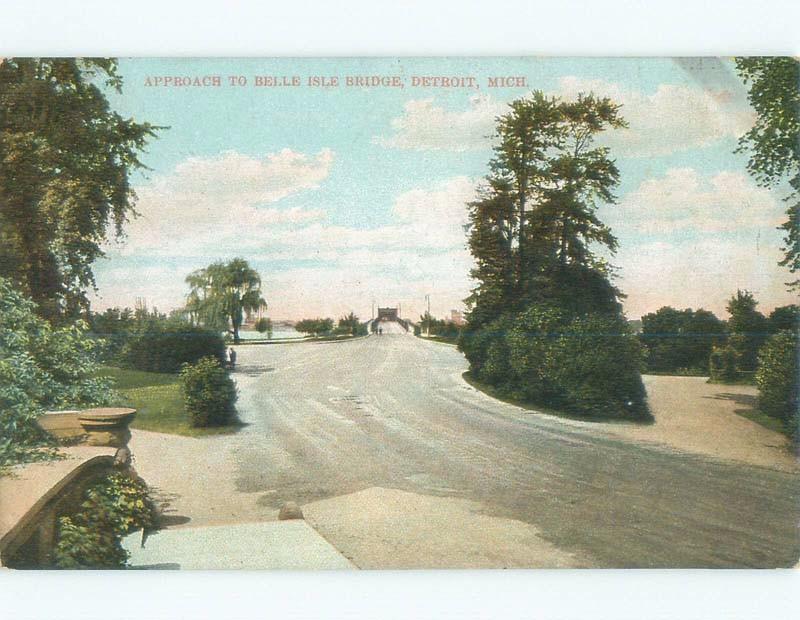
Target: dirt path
692	415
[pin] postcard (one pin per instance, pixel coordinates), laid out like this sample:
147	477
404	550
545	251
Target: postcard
399	313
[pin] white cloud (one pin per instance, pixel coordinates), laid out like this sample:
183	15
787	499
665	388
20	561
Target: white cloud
702	273
426	126
673	118
684	200
211	201
421	249
429	219
716	233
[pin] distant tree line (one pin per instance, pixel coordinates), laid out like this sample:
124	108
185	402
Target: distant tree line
151	341
440	328
748	347
348	325
682	341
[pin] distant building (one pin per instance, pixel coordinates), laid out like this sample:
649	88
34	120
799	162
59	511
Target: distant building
387	314
457	317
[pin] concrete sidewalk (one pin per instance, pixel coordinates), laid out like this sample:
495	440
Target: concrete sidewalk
251	546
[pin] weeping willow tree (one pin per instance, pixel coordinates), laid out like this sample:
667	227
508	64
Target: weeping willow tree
223	294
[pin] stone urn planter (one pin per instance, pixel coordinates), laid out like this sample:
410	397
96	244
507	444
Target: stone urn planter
107	426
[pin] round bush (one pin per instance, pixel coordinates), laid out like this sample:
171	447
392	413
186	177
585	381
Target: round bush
209	393
723	363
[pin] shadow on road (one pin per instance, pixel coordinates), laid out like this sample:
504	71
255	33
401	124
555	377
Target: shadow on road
745	400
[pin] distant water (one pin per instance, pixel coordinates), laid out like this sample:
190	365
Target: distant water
280	332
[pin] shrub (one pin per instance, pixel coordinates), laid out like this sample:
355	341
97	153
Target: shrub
723	363
166	346
315	327
209	393
777	378
596	362
41	367
588	365
92	536
264	326
475	343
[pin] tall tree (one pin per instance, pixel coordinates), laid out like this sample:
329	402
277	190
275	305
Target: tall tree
65	162
223	293
535	221
747	327
774	140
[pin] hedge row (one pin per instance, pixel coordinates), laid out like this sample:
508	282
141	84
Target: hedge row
167	346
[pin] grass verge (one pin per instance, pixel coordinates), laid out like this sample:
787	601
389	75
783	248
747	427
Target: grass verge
762	419
158	400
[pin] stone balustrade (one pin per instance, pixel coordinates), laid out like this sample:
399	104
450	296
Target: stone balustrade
32	496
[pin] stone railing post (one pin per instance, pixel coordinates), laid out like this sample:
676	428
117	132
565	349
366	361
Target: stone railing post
107	426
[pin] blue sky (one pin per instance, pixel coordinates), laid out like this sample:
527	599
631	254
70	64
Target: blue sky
341	196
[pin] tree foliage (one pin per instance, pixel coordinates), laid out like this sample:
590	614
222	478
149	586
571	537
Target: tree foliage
778	377
314	327
747	328
116	327
774	140
351	325
545	323
784	317
431	326
535	223
223	293
680	340
264	326
65	162
41	367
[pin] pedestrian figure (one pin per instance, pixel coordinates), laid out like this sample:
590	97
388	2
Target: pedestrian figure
380	331
232	357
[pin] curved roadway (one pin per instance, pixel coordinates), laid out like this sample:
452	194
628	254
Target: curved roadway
392	411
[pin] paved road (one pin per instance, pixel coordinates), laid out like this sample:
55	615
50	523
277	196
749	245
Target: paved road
391	411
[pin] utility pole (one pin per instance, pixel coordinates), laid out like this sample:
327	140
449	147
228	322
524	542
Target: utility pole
428	326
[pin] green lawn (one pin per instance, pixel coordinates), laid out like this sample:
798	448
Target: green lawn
773	424
158	401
